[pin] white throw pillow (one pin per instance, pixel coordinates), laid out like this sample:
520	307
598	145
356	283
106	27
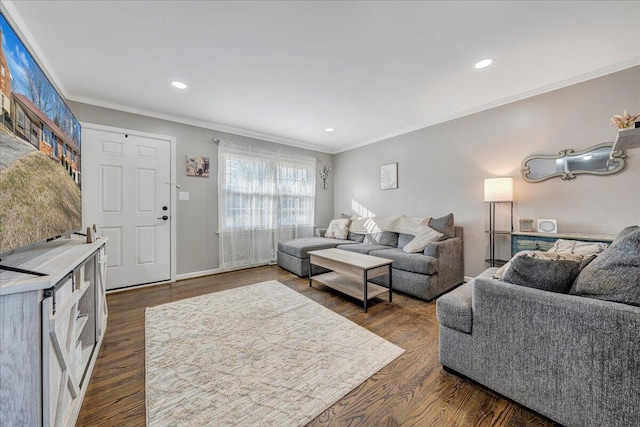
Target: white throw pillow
426	236
577	247
338	228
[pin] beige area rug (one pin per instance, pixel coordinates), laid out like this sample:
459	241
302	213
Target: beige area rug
260	355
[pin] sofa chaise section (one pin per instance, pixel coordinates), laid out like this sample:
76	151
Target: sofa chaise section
293	255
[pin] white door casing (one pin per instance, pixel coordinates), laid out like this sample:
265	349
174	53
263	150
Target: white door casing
127	189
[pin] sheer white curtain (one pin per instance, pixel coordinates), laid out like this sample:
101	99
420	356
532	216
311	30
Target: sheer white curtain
263	197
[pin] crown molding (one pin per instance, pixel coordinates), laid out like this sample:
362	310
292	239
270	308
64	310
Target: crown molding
600	72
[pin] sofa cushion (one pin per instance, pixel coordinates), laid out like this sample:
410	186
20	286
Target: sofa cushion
444	225
454	309
355	237
542	270
362	248
426	236
300	247
338	228
386	238
577	247
415	263
615	274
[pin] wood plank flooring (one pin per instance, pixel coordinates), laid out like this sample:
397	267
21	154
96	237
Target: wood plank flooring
413	390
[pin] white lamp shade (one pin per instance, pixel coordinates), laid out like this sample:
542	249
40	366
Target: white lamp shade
498	189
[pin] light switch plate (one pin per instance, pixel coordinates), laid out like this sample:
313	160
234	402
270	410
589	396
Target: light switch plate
183	195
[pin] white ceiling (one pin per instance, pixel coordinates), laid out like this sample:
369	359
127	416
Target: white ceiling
285	71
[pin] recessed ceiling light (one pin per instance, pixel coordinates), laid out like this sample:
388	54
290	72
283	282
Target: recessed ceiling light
329	129
484	63
178	84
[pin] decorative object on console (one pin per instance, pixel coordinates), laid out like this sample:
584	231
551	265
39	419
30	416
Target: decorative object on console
548	226
497	190
389	176
526	225
324	174
570	163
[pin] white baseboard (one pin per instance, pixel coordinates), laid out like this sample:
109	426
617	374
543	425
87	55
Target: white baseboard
194	274
467	278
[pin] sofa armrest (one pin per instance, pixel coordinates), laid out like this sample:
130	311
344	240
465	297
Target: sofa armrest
571	358
435	248
450	256
319	232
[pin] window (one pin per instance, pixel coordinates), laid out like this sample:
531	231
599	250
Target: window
47	136
21	118
263	197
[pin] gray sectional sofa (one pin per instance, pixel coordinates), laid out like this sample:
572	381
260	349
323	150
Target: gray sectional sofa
426	275
572	356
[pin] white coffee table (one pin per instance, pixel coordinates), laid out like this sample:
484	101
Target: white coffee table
351	272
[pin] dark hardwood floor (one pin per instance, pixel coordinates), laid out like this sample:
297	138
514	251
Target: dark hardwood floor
413	390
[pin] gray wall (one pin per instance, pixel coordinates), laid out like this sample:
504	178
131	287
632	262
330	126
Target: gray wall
197	241
441	168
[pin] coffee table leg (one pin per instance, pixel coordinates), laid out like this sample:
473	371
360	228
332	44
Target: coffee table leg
310	273
390	284
366	296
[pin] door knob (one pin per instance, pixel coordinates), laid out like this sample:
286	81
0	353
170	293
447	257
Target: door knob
163	217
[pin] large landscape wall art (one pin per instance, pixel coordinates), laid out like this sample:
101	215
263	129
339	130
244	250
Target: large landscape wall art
40	173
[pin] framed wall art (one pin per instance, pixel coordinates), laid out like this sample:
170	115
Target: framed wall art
198	166
547	226
526	225
389	176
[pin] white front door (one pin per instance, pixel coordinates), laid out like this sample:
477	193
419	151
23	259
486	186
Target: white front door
126	191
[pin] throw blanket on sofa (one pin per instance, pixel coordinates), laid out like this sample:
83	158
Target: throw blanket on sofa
398	224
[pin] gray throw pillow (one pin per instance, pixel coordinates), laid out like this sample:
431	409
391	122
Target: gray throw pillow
615	274
403	239
388	238
542	270
355	237
444	225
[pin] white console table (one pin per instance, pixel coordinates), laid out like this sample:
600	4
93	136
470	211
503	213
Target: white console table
51	329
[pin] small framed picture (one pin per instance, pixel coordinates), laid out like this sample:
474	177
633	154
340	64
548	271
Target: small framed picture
548	226
526	225
198	166
389	176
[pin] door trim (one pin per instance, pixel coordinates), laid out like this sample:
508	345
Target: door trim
173	193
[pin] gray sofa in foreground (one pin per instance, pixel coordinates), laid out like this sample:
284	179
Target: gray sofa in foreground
574	359
439	268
